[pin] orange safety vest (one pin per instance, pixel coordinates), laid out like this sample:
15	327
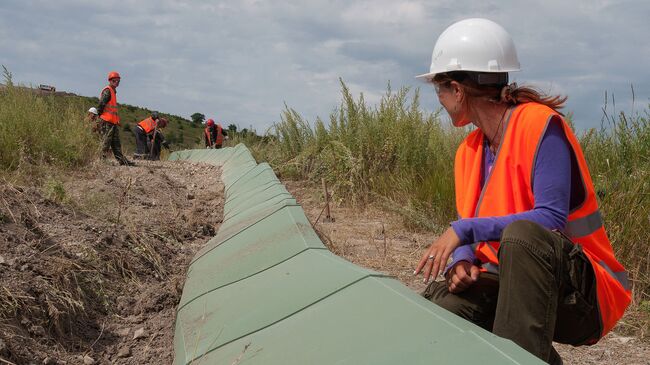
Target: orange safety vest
208	136
110	110
508	190
147	125
219	140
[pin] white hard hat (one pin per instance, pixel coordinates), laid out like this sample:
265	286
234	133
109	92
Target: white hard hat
93	110
477	45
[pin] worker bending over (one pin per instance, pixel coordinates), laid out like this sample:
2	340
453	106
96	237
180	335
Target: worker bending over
149	138
214	135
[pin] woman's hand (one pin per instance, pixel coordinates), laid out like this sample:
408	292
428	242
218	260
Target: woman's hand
436	256
461	276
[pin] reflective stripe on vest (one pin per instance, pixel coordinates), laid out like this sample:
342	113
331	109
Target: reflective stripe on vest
508	190
219	140
490	267
620	276
587	225
110	109
584	226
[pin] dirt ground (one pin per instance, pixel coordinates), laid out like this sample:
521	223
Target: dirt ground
378	240
93	265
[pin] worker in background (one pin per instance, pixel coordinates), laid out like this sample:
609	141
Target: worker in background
110	120
92	118
157	139
147	135
531	260
214	135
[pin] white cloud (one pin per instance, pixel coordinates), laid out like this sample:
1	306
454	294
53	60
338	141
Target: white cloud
384	13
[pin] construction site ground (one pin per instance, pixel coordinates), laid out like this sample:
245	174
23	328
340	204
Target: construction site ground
93	264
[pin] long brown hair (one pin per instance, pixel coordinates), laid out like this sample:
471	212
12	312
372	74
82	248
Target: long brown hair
511	94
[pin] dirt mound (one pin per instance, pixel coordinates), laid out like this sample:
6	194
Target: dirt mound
93	265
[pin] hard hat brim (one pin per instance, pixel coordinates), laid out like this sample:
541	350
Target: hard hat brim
427	77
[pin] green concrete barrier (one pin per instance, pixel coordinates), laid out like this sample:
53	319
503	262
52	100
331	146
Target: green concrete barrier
265	290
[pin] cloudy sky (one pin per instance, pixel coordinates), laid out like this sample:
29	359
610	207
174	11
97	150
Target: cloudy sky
240	61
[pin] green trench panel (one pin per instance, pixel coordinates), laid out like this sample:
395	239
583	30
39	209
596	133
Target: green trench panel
236	162
259	175
220	156
259	207
209	156
272	188
182	155
270	241
239	156
234	165
265	290
241	203
230	175
244	307
263	199
240	223
374	321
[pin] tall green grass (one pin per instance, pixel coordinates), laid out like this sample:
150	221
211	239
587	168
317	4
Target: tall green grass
42	130
618	155
396	154
393	153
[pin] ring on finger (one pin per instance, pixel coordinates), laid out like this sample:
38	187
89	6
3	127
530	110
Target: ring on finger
431	257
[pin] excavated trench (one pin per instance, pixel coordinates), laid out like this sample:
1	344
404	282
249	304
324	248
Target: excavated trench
93	265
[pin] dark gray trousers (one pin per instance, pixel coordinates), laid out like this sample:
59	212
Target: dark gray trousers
545	291
141	143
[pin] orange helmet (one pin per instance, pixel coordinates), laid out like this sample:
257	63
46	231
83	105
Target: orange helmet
210	122
112	75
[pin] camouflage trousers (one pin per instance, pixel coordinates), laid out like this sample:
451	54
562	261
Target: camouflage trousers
111	141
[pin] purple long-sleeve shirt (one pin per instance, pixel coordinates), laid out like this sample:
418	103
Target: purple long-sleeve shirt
551	188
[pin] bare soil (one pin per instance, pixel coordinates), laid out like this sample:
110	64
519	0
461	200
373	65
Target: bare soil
92	266
377	239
